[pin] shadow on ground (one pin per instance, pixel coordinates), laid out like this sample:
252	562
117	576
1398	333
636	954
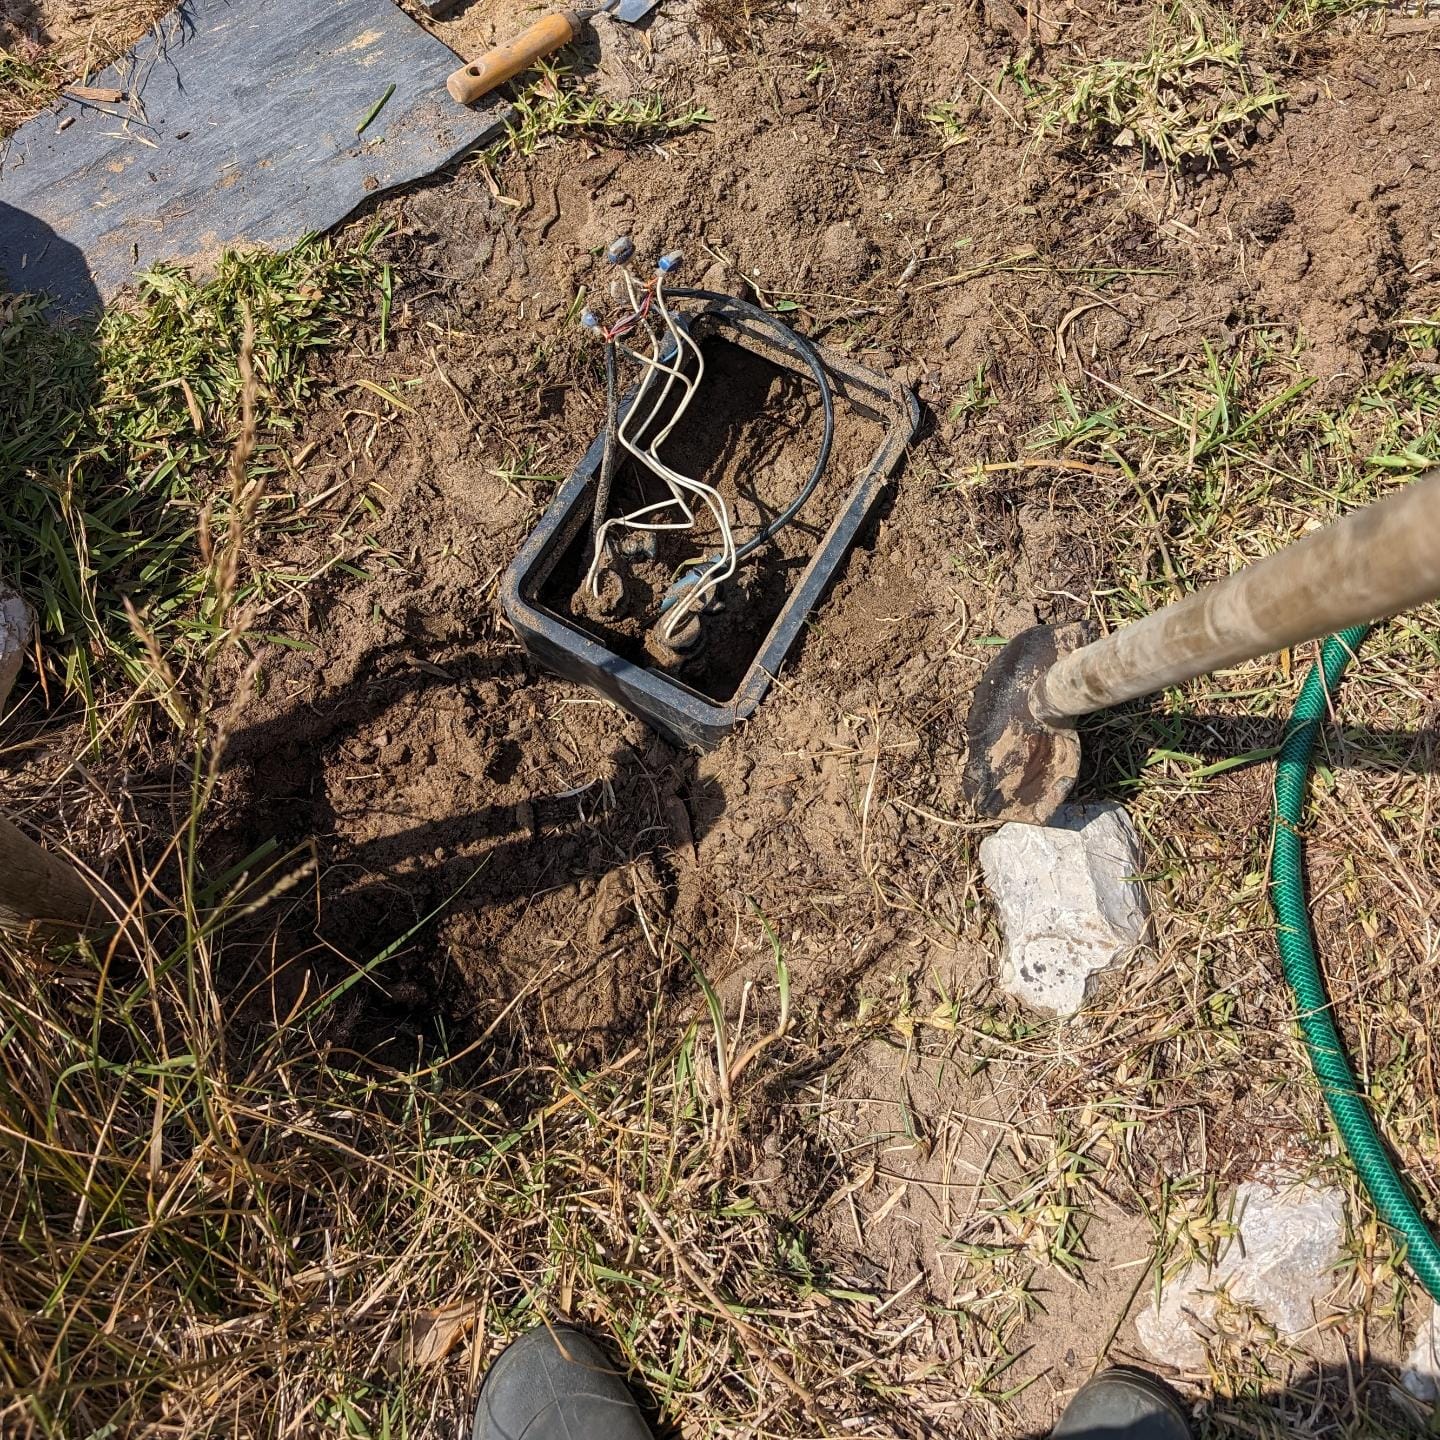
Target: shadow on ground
446	888
1117	745
28	244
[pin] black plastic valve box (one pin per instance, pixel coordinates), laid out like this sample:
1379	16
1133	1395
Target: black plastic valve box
663	701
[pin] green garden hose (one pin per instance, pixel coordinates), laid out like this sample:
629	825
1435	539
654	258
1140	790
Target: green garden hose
1302	969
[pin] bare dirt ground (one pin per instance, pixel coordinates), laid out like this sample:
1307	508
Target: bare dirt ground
947	1150
428	756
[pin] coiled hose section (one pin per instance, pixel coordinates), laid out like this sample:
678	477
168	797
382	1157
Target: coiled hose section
1357	1130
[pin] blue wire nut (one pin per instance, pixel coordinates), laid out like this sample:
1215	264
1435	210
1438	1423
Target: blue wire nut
590	320
620	250
673	261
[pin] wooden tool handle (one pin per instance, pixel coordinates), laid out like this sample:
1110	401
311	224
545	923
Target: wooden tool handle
39	890
505	62
1377	560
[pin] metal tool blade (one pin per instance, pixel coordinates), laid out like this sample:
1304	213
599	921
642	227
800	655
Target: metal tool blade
632	12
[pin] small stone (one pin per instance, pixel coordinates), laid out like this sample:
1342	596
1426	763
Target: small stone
718	277
15	625
1421	1375
1280	1265
1069	901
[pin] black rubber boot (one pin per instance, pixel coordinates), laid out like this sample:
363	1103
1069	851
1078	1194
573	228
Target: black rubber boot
1123	1404
554	1384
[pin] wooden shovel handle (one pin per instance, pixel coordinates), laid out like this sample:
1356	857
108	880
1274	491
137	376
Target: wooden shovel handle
505	62
39	890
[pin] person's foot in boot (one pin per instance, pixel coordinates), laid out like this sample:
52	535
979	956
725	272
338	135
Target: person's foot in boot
1123	1404
555	1384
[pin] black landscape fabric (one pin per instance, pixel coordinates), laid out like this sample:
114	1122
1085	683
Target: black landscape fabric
241	123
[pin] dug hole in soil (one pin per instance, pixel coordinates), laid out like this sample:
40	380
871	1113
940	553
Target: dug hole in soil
564	845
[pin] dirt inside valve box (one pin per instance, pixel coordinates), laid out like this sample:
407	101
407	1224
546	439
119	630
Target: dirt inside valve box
752	433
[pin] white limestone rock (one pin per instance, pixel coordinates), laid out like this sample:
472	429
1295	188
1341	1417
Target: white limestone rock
1421	1375
1069	901
15	623
1279	1265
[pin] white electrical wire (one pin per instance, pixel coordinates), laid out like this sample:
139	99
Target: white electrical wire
678	485
698	594
712	498
681	487
636	519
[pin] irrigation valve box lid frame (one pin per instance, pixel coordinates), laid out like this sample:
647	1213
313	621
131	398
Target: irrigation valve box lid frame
664	701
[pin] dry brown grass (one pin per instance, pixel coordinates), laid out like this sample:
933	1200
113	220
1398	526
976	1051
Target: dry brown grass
42	53
227	1234
735	24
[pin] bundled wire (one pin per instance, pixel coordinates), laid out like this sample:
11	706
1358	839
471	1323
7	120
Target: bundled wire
674	359
641	433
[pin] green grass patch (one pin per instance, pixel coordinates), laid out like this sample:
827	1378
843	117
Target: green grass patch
114	440
1237	455
1192	96
556	104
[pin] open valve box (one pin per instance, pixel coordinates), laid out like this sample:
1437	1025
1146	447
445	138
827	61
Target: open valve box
597	613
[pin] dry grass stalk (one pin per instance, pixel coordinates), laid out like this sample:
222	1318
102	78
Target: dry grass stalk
246	491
